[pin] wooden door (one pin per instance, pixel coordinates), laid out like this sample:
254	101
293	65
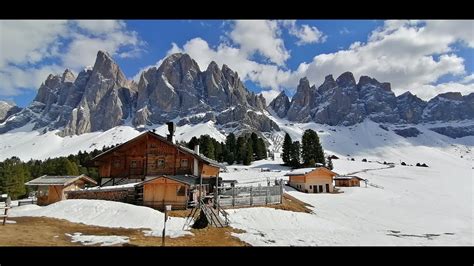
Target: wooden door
315	189
327	188
321	189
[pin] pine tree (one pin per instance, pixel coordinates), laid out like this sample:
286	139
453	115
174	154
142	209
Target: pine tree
230	158
71	168
193	143
311	148
261	149
248	158
208	148
240	149
329	163
218	151
230	142
254	141
295	154
14	174
287	145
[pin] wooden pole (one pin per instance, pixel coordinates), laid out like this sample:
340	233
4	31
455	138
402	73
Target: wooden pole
251	198
266	195
281	190
233	196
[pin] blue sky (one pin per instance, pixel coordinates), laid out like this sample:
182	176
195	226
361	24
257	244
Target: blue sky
424	57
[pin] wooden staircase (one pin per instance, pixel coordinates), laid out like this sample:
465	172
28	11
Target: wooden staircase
211	214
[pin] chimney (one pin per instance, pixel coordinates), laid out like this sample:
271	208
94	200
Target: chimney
196	148
171	129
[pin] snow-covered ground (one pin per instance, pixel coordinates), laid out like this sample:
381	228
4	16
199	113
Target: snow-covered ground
88	240
409	206
406	205
27	144
107	214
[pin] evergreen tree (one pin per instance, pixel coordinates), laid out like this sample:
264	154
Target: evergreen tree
248	158
71	168
261	149
230	143
218	151
254	141
287	145
329	163
193	143
240	149
312	149
295	154
230	158
208	148
13	177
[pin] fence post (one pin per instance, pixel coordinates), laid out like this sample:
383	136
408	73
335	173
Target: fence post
215	196
251	198
233	196
281	190
266	195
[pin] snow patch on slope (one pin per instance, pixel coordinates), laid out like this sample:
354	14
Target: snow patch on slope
107	214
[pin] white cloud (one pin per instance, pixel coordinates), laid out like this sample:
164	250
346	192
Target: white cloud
260	36
306	34
99	27
468	79
411	55
408	54
29	41
426	91
14	78
269	95
344	31
27	44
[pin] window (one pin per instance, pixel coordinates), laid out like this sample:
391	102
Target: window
181	191
117	164
184	163
153	145
133	164
160	163
310	187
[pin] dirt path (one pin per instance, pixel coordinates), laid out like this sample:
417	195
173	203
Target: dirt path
371	169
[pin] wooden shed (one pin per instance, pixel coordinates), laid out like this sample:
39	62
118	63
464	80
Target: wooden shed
51	189
312	180
175	190
347	181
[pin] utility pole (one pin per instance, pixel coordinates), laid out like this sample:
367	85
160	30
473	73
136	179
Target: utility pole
167	208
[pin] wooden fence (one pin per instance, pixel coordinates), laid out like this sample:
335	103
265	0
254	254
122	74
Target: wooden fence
250	196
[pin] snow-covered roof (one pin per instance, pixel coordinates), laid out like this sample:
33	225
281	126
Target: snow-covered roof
129	185
48	180
304	171
347	177
301	171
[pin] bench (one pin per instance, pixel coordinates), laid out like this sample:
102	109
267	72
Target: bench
5	215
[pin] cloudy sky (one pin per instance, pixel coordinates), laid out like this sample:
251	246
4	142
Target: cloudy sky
424	57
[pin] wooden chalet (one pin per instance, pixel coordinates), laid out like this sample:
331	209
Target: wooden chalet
348	181
51	189
150	154
312	180
161	166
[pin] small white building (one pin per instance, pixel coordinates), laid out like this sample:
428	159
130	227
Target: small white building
312	180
